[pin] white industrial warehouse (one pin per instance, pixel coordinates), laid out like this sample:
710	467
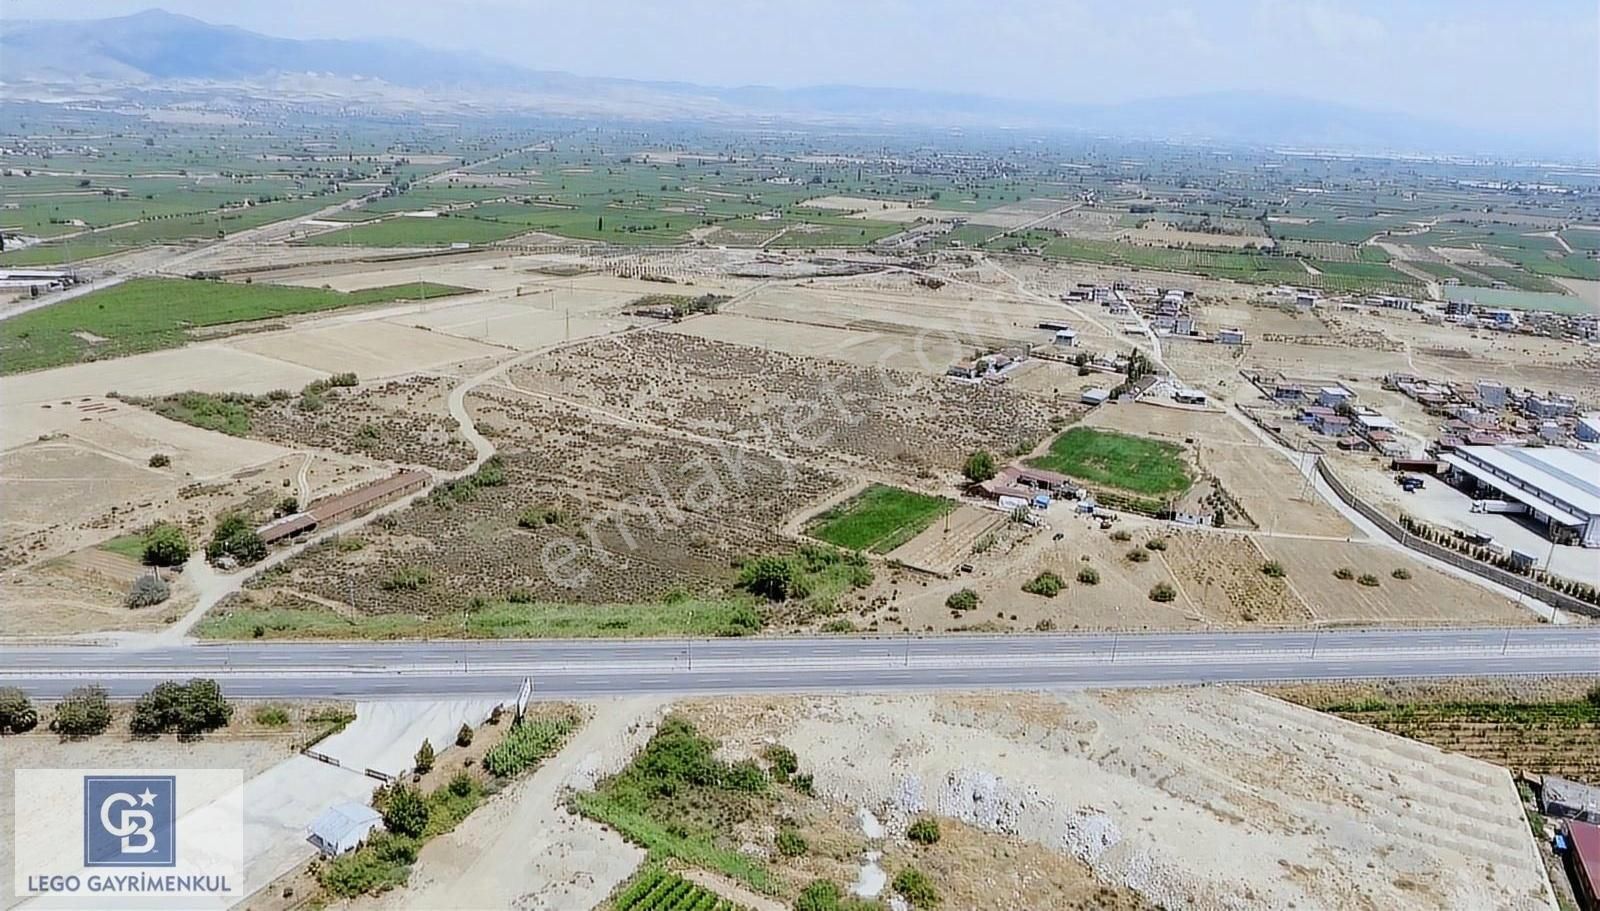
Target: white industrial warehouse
1559	488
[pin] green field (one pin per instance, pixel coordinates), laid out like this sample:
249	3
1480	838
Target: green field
1118	460
130	546
655	889
403	231
879	519
148	314
499	620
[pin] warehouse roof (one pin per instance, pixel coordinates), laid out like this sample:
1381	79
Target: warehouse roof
1571	476
1585	839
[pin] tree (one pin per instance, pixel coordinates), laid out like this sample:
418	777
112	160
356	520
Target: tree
406	811
233	537
85	712
188	709
425	757
1162	592
770	577
160	460
464	736
287	506
17	714
979	467
166	545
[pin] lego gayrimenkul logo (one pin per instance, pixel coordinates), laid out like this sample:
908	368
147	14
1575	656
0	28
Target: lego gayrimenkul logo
129	821
134	838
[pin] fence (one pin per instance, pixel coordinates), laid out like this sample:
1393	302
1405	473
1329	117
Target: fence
1493	573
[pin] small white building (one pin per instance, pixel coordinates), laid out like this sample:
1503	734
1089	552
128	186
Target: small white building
1094	396
342	827
1492	394
1333	396
1186	395
1067	337
1230	336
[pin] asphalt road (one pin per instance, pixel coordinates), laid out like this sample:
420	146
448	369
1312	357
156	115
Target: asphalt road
588	668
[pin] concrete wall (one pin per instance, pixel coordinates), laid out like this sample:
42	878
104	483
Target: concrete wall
1439	552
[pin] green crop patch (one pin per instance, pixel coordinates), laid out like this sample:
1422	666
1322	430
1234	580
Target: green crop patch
879	519
407	231
1118	460
149	314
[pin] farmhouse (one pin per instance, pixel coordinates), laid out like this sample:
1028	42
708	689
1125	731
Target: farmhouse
1563	797
1185	395
367	497
1024	482
1560	488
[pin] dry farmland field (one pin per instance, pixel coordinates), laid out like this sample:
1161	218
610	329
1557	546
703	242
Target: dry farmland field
1540	725
803	407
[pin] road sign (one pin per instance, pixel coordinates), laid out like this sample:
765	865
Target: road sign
523	695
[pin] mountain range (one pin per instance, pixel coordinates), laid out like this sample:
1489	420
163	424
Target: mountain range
160	51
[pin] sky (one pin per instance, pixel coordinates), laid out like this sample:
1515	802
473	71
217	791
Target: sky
1486	64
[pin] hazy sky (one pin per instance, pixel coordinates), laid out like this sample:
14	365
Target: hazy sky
1497	64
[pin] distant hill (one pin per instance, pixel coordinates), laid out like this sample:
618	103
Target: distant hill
156	49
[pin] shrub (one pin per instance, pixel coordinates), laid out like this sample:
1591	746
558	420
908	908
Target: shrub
147	590
376	868
963	600
770	577
526	745
839	625
1156	544
1401	573
1163	592
1368	579
407	578
1138	555
924	830
979	467
1594	695
189	709
1088	575
233	537
1122	534
425	757
405	812
1274	569
17	714
804	783
790	842
916	888
165	545
1047	584
464	736
160	460
745	775
461	784
84	712
287	506
272	716
1344	572
343	379
540	516
818	895
782	760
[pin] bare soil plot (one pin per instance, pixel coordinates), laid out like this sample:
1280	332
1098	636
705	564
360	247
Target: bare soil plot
1199	798
1272	493
1176	424
1221	575
1429	596
373	349
890	351
642	512
47	481
211	367
947	543
531	321
806	407
948	321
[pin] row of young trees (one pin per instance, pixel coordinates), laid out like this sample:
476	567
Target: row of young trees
186	709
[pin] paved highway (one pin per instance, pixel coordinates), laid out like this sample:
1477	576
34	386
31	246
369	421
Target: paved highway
585	668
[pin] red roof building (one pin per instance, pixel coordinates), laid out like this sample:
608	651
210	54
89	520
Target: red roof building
1583	859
